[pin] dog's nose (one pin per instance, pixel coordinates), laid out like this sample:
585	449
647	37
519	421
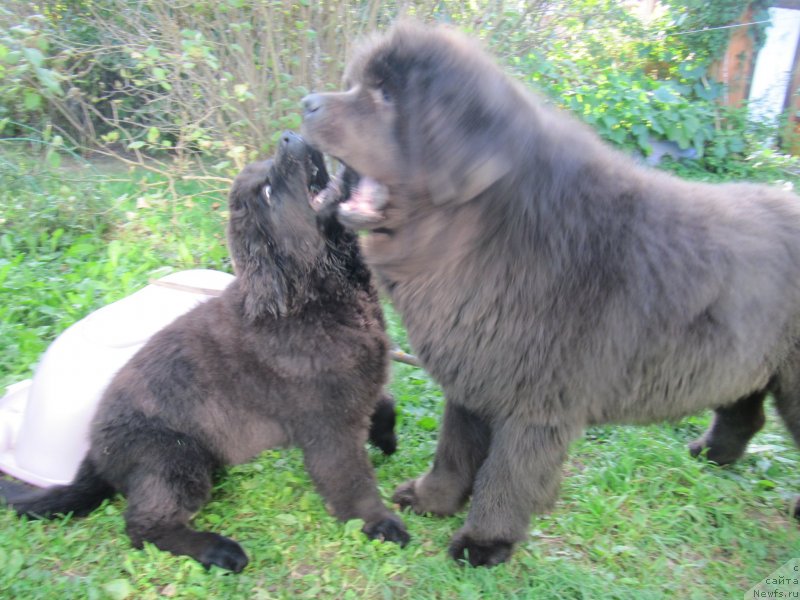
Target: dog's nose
292	142
289	137
311	103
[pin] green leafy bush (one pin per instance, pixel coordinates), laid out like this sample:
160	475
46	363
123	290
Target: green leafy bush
27	78
195	92
636	81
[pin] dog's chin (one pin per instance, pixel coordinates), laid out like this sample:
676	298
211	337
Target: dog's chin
357	221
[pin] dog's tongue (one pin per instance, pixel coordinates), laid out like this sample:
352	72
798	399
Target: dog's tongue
366	201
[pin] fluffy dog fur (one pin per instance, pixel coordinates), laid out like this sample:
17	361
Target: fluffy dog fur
293	352
549	283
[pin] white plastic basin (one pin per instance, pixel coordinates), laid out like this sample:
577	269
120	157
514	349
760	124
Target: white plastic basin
44	421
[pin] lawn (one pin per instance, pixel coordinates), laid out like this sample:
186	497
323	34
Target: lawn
637	517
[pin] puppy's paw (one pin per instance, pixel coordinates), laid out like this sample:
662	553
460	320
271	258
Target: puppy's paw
390	529
386	443
224	553
463	549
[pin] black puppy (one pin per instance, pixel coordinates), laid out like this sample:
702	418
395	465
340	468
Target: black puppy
293	353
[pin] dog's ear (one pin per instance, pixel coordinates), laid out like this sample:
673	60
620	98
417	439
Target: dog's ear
262	282
458	124
252	245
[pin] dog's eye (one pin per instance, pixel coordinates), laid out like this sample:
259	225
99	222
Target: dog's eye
381	93
268	194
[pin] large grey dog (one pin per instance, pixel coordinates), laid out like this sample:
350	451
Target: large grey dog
547	282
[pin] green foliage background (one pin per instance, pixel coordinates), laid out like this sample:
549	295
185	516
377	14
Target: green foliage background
215	83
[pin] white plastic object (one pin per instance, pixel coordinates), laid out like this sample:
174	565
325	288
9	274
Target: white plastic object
44	421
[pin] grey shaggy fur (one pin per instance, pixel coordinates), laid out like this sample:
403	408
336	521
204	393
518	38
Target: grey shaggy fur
293	352
547	282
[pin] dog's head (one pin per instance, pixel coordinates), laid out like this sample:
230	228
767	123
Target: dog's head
275	236
426	116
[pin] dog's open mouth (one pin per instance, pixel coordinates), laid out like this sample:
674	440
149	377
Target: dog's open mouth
366	201
323	198
360	200
318	178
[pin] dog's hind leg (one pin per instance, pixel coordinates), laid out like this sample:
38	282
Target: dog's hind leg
787	401
164	491
381	428
520	476
463	444
726	439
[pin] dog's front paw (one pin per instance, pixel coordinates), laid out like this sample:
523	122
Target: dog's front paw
224	553
696	447
463	548
429	496
716	454
390	529
406	496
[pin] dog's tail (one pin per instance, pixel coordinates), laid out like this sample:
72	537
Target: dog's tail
86	492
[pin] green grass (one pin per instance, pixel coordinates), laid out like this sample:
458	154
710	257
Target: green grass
637	517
